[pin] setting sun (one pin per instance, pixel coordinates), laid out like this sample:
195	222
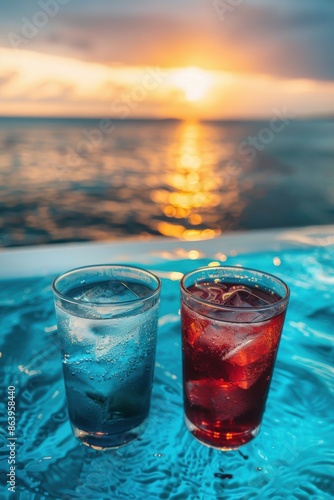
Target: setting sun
37	84
195	82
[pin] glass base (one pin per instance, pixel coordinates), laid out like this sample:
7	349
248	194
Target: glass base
104	441
224	441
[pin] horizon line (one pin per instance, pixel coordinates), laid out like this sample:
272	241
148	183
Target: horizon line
164	119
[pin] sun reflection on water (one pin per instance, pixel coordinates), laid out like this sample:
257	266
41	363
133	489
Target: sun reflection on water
193	186
170	178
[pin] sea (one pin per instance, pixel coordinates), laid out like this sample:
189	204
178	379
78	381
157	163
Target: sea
70	180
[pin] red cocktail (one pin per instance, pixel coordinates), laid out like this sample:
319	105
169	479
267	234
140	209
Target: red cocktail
232	320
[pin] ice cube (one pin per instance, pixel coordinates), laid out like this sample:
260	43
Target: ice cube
250	349
138	289
218	397
195	327
200	331
232	297
235	299
104	346
211	292
232	353
243	297
245	376
112	291
255	300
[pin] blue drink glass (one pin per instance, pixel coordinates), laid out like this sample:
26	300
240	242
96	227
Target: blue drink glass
107	319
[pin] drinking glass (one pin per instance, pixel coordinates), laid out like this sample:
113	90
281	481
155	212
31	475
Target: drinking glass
232	320
107	319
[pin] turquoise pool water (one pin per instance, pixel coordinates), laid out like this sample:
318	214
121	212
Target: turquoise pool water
180	179
292	458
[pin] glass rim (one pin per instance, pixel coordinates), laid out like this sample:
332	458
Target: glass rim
62	296
223	307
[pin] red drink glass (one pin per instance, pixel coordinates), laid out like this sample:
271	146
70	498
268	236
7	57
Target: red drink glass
232	320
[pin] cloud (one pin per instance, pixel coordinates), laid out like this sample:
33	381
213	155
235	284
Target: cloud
285	39
7	77
50	90
128	40
40	84
88	55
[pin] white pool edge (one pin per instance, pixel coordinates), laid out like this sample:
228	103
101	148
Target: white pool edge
50	259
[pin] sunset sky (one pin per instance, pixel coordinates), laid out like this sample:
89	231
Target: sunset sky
183	58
